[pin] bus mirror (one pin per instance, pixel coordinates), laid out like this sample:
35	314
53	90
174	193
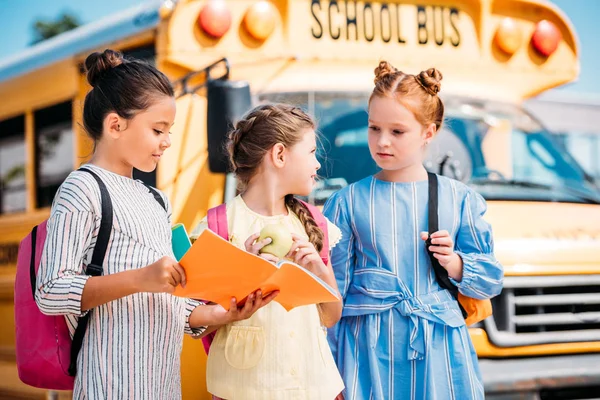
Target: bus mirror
227	102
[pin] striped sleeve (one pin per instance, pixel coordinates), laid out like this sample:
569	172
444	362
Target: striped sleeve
61	277
190	305
70	231
482	273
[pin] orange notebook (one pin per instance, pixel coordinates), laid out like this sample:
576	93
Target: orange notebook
217	270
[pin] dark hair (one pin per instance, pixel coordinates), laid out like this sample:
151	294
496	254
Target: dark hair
418	93
123	86
255	134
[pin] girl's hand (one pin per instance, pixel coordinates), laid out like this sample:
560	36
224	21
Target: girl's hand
306	255
254	247
254	302
442	247
162	276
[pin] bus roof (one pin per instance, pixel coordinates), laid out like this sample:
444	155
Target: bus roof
84	38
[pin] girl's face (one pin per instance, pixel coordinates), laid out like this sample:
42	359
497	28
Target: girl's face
301	165
146	136
396	139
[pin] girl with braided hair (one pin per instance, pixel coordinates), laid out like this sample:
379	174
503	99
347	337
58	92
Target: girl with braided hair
402	336
276	354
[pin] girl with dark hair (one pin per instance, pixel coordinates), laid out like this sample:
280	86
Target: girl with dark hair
132	345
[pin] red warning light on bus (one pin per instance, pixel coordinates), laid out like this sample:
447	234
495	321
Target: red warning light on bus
214	18
546	38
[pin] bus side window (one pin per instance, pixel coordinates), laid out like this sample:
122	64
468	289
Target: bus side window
54	149
13	191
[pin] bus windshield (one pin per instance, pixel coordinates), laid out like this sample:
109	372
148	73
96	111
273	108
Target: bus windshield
497	148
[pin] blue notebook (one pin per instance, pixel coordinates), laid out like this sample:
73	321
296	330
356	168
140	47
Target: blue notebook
180	241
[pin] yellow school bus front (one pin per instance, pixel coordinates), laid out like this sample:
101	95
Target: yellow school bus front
321	54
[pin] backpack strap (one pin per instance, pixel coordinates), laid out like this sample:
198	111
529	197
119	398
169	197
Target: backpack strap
94	268
441	274
156	195
217	221
322	224
32	263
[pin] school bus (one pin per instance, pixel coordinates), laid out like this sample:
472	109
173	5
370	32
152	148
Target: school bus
544	336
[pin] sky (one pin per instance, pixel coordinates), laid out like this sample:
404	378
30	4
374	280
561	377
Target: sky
20	14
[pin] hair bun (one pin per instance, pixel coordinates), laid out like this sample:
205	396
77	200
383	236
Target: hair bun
383	70
430	81
97	64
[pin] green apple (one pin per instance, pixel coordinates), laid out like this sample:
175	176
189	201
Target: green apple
281	240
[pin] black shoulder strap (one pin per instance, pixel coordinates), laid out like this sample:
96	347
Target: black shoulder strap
94	268
32	260
156	195
440	272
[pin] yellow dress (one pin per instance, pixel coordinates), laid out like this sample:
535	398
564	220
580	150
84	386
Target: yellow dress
275	354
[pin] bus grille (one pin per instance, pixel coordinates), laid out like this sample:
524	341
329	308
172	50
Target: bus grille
546	309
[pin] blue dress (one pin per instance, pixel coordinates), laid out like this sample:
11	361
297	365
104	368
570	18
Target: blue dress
401	336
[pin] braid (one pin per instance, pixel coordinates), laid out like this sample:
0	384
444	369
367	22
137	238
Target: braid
315	234
242	128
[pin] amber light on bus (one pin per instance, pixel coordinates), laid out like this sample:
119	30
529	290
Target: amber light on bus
214	18
509	36
546	38
260	20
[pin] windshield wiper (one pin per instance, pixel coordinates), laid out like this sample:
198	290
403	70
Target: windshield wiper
586	197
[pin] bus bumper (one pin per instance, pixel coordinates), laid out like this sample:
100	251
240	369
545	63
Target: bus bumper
540	377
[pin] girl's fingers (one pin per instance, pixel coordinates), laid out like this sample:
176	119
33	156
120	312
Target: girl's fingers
297	246
293	249
269	257
268	298
232	304
440	234
172	278
250	241
300	254
256	247
257	304
441	250
254	301
249	305
443	259
424	235
443	241
181	272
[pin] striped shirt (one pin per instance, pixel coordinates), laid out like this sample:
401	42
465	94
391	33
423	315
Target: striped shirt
401	336
132	346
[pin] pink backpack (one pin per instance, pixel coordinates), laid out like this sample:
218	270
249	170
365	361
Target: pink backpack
217	222
46	355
